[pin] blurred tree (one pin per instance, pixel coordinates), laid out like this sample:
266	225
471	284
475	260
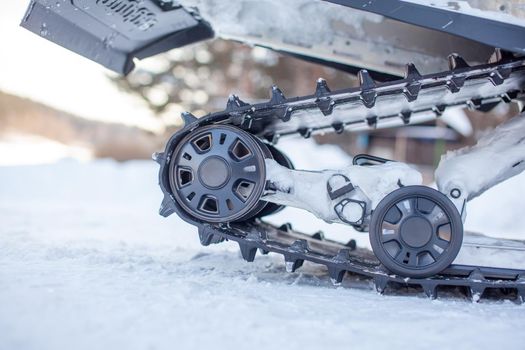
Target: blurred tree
200	78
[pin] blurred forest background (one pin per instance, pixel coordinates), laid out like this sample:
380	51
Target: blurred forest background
199	79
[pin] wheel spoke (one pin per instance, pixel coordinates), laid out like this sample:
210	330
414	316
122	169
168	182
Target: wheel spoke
250	176
400	257
221	143
236	202
228	193
412	261
223	207
425	206
439	245
407	257
437	217
406	207
390	232
190	158
186	190
434	253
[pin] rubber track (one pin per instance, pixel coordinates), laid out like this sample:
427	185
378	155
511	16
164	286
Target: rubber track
372	105
264	119
298	247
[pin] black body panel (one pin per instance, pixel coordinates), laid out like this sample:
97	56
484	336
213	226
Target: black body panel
114	32
489	32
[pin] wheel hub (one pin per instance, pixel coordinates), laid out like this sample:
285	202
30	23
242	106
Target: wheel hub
416	231
214	172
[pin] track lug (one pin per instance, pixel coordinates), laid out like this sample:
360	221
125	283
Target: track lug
365	80
326	105
411	91
411	72
207	236
246	121
352	244
500	55
305	132
412	88
277	96
292	264
368	92
474	103
247	251
158	157
286	227
284	113
476	293
439	109
455	83
300	246
380	283
430	289
339	128
336	275
319	235
455	61
234	102
498	76
368	97
255	236
509	96
521	289
273	138
188	118
405	117
166	207
476	290
342	255
371	121
321	88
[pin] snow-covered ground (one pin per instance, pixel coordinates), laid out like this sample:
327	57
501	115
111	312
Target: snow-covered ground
86	263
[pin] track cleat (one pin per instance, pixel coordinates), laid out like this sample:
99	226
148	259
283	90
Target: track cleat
188	118
336	275
248	251
380	283
430	289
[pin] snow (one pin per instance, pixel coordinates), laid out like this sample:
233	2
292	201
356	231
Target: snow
87	263
307	189
497	156
32	149
483	9
336	33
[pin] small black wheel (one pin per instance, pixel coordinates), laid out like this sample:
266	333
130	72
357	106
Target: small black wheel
217	174
416	232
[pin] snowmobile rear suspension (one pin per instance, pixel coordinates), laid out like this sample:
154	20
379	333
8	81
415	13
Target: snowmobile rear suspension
222	174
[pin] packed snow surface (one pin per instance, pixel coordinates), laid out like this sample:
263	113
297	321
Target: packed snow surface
86	263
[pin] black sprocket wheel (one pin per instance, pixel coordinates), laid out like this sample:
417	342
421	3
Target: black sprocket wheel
217	174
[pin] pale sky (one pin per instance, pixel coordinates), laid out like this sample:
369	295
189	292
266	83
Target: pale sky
33	67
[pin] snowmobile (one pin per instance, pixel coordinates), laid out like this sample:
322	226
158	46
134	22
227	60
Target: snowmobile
414	59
